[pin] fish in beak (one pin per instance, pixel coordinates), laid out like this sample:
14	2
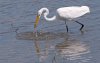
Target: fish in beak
36	21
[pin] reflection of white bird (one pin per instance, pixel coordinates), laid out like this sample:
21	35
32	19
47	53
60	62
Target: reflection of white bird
64	13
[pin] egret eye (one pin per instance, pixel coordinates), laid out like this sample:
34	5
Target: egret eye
39	14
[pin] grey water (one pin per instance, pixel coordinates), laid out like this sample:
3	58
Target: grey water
54	45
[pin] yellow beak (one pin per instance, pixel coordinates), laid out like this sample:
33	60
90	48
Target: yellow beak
36	21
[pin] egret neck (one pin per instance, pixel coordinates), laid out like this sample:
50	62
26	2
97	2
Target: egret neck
45	13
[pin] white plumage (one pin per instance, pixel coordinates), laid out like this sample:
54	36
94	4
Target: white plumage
72	12
65	13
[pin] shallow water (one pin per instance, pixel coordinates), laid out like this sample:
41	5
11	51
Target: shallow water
19	45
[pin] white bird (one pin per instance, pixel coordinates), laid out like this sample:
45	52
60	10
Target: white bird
64	13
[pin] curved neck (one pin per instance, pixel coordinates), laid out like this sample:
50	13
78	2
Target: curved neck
45	11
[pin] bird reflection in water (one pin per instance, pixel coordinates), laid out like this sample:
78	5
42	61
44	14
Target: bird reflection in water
45	38
72	50
42	53
69	49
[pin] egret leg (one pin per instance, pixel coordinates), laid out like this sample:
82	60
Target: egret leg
82	25
66	26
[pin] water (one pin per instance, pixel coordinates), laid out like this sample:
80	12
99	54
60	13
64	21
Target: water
17	43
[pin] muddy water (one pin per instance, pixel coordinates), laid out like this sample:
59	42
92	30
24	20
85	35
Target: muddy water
18	43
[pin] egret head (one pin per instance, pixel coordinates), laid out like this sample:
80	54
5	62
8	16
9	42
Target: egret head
40	12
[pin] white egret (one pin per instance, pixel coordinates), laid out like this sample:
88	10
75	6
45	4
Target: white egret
64	13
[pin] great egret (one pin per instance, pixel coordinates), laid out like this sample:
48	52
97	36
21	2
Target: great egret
64	13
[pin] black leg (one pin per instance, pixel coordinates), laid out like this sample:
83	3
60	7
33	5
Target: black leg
80	24
66	26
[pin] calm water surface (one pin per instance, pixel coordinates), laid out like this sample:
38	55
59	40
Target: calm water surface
53	45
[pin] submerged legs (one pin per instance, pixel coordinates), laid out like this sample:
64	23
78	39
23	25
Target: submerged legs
80	24
66	26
